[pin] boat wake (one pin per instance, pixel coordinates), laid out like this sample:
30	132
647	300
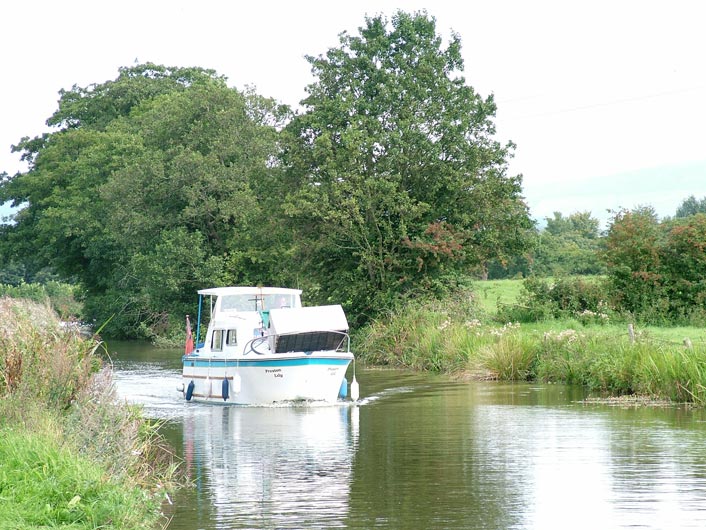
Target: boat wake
388	392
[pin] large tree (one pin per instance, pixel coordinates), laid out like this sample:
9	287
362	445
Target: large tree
151	187
395	180
634	260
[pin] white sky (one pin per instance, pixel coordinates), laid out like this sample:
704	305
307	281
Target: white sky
606	100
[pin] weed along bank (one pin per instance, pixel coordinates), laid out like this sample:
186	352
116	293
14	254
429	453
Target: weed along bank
71	454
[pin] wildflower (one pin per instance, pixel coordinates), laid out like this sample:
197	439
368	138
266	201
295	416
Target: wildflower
445	324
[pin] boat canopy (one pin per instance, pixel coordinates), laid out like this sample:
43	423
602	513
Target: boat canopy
228	300
220	291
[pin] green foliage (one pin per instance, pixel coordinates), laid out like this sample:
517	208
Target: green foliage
395	180
633	259
684	264
656	270
573	297
62	297
97	106
568	245
158	183
691	206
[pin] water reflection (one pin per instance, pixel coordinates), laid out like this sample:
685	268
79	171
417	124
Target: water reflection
270	467
421	451
588	467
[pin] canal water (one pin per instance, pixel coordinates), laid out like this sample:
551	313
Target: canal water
425	452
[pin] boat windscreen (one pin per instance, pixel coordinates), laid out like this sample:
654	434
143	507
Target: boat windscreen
251	302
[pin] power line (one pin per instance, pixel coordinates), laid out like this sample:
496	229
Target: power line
605	103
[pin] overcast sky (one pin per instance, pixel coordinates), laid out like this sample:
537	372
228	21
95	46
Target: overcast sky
606	100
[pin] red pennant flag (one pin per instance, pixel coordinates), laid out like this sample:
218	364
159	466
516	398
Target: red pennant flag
189	346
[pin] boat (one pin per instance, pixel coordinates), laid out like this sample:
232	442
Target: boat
262	347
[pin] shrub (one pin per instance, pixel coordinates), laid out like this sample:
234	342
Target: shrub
62	297
542	299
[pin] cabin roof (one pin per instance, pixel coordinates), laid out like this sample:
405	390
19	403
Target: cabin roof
220	291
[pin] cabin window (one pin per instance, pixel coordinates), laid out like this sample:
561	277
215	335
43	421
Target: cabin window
231	338
217	340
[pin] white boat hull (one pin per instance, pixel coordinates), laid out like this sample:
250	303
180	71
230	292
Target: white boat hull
266	379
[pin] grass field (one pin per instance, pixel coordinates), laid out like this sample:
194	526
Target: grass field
491	292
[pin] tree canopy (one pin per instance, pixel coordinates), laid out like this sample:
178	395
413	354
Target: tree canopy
394	179
569	245
691	206
148	191
657	271
388	184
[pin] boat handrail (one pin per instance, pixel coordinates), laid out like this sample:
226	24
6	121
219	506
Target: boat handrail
251	342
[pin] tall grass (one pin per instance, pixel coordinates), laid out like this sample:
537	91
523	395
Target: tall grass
615	365
41	361
510	357
424	336
71	453
446	338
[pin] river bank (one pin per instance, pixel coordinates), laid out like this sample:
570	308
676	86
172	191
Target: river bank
71	454
453	337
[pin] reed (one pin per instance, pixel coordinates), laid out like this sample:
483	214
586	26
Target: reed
424	336
676	373
443	339
510	357
39	360
71	454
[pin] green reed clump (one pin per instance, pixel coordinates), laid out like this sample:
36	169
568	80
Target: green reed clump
676	372
615	365
510	355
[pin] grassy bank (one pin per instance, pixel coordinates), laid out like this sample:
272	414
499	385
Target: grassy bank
71	455
455	336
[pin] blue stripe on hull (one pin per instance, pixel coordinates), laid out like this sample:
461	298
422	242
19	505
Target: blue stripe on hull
308	361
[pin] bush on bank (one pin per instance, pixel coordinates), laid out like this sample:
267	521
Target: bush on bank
63	298
71	455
